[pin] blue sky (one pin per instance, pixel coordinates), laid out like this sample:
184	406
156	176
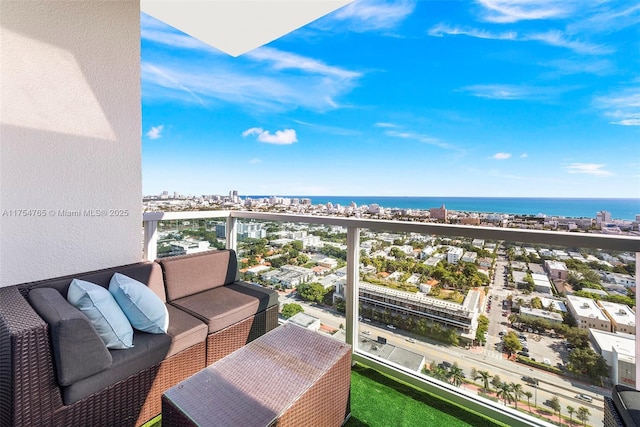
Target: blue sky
535	98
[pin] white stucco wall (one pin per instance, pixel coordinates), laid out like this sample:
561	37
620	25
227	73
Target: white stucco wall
70	128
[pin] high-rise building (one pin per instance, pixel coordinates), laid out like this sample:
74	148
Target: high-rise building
603	217
439	213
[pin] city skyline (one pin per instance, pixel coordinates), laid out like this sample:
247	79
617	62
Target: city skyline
536	99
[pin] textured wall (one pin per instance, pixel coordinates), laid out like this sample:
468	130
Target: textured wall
70	117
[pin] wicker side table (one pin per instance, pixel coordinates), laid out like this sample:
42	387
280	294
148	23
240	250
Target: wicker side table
290	377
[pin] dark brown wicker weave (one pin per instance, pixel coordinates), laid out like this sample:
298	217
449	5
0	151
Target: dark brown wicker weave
289	377
611	416
29	393
228	340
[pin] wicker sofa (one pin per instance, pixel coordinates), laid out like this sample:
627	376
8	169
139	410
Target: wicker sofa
54	374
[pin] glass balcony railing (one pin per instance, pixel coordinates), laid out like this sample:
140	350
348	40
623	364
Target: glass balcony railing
514	324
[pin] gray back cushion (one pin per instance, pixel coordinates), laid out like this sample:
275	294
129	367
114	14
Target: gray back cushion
186	275
78	350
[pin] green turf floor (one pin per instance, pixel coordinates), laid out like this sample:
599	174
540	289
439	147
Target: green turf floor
381	401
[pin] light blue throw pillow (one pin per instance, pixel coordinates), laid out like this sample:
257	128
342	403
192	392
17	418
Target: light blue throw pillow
144	309
103	311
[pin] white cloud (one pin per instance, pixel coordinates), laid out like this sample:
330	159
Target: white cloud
524	155
501	156
155	132
509	11
623	107
385	125
553	38
441	30
559	39
425	139
255	161
372	15
280	137
498	91
259	81
281	60
588	168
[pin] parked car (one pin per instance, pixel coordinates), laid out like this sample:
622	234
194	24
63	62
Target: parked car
584	397
410	340
524	354
391	327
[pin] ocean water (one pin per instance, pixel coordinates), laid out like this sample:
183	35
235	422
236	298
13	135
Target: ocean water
626	209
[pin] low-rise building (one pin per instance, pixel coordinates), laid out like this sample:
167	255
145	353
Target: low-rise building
618	350
538	314
541	284
306	321
454	254
623	318
588	314
556	269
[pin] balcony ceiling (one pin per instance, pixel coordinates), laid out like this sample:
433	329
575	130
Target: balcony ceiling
238	26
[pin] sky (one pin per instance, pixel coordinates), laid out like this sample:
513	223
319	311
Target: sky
486	98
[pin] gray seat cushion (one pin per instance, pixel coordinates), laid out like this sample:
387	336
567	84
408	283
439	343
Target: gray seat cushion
224	306
148	350
184	329
78	350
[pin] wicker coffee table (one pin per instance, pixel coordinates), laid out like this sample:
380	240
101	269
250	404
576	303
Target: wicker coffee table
290	376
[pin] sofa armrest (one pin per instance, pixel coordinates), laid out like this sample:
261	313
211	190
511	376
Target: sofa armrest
29	394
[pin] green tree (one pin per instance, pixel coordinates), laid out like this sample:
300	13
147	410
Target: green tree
554	404
517	391
511	343
485	376
312	292
456	375
495	381
585	361
291	309
583	415
571	410
504	391
528	395
536	302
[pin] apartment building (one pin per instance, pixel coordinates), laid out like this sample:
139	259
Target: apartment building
462	317
454	255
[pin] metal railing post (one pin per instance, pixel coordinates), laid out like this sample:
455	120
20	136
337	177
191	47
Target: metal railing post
150	250
232	233
351	291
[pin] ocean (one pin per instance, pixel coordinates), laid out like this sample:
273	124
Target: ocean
625	209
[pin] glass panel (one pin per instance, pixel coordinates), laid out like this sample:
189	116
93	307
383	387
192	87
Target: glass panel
185	236
549	327
304	263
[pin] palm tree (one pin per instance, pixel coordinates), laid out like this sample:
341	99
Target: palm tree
528	395
504	391
517	392
554	403
571	410
485	377
456	375
583	415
